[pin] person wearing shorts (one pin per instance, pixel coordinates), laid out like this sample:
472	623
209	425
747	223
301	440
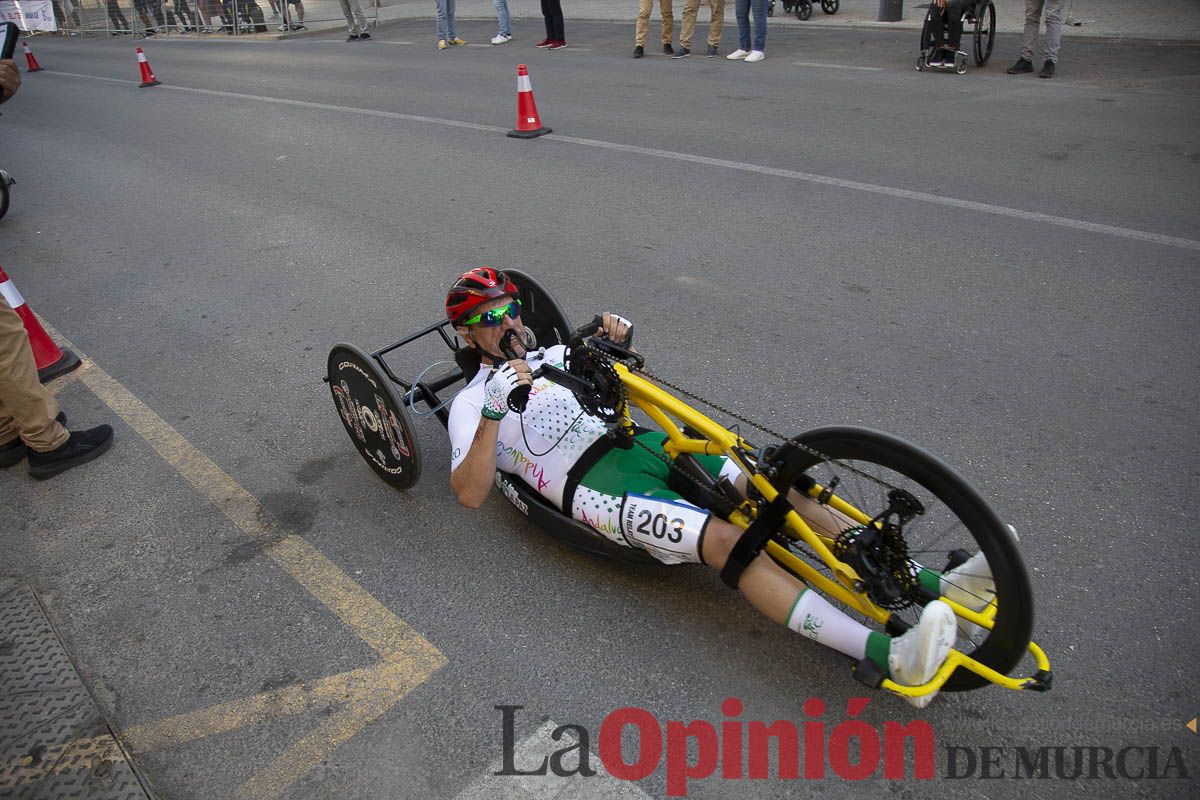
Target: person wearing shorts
625	495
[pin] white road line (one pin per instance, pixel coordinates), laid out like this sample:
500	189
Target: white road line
807	177
528	754
835	66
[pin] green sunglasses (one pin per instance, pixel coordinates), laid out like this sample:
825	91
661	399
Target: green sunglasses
492	318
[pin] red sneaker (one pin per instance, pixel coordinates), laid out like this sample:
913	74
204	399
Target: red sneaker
544	43
558	45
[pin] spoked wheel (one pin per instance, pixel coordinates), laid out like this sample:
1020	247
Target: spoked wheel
940	521
985	33
803	9
374	416
830	6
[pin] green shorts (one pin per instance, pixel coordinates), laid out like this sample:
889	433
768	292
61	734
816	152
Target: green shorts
596	500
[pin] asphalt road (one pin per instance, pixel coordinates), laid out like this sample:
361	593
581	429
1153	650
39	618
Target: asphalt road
999	268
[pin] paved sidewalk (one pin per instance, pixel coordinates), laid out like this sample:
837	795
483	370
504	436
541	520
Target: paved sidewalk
1162	20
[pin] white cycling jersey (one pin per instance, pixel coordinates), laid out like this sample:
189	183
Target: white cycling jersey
556	429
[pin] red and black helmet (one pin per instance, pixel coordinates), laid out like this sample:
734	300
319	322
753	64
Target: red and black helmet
475	287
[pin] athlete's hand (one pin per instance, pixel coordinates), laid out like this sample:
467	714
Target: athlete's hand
10	80
615	329
501	383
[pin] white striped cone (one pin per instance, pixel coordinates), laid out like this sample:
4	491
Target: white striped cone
148	78
51	361
31	63
529	124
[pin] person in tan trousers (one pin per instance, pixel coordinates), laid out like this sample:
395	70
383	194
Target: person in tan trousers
643	26
31	422
690	9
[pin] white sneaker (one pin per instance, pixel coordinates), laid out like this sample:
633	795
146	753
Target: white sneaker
500	38
970	584
737	55
916	656
756	55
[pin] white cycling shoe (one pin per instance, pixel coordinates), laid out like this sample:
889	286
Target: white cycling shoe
970	584
916	656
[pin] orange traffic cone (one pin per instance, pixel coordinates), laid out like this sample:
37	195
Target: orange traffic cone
148	78
529	124
31	64
51	361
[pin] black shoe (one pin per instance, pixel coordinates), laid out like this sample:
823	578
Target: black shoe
81	448
639	51
14	451
667	48
352	37
362	37
1021	67
1047	70
682	52
712	51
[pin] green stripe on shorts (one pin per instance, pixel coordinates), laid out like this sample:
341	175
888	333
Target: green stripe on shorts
638	472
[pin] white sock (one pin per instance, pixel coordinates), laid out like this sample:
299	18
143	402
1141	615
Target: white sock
815	617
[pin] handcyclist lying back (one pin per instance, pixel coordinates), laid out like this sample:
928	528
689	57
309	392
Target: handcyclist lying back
564	453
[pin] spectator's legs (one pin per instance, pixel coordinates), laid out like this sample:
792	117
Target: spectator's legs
560	25
759	9
688	26
668	20
1054	20
442	19
502	17
718	22
546	17
116	17
1033	13
27	410
643	22
741	10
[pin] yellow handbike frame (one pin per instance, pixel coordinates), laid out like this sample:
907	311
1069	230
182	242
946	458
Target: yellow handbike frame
672	416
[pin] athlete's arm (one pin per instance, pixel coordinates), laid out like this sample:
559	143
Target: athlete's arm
471	480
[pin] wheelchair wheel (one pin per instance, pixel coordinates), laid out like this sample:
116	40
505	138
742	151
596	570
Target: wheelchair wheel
5	181
985	32
803	9
864	467
374	416
830	6
771	8
960	63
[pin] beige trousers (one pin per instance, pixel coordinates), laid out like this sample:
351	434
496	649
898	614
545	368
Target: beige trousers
643	21
690	9
27	410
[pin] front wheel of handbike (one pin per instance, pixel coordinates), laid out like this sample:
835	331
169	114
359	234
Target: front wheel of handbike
864	466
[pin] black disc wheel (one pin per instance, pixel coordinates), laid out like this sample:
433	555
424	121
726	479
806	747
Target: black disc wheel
374	416
934	520
803	9
985	33
830	6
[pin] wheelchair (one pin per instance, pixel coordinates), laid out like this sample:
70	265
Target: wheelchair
979	19
803	8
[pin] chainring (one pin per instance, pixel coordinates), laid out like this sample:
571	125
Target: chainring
606	400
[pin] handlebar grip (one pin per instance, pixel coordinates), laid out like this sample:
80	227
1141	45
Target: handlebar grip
518	398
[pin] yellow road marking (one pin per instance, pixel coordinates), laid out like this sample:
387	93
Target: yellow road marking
408	658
